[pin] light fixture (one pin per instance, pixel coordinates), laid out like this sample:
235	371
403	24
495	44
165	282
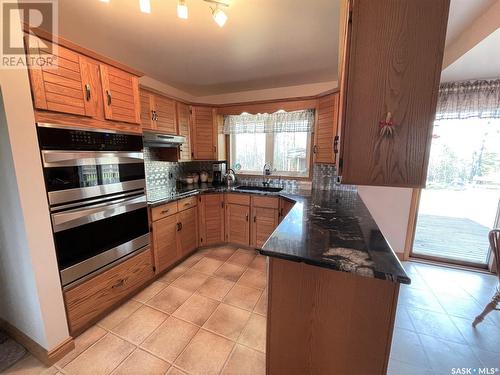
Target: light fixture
182	10
218	14
220	17
145	6
104	1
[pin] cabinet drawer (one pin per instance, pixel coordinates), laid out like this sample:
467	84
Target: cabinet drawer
186	203
87	301
265	202
164	210
243	199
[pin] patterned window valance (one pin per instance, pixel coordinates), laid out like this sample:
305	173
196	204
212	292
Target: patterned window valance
470	99
278	122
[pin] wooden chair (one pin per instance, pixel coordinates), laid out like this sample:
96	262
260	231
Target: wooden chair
494	237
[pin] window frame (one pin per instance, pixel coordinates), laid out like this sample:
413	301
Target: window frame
269	156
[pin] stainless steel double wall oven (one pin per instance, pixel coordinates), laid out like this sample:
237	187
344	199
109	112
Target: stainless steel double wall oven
95	184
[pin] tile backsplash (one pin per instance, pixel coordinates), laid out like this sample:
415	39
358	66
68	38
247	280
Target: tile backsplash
164	174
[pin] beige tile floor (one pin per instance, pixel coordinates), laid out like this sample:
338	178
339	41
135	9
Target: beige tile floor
207	316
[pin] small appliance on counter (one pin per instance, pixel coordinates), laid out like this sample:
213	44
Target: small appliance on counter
203	176
219	171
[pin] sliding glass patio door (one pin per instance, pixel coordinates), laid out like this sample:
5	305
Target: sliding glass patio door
460	203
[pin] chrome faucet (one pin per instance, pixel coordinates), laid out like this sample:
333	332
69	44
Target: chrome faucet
266	171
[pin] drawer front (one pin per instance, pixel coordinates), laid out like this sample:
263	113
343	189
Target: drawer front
186	203
88	300
265	202
164	210
243	199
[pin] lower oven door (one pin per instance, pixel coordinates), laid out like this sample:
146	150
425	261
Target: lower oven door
92	237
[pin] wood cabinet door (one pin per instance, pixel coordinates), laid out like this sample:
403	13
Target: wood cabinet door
184	128
166	251
147	115
121	95
91	80
165	114
59	87
204	133
188	234
396	72
284	209
264	222
211	219
326	129
238	224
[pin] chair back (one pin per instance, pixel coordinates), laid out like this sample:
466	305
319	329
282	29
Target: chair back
494	237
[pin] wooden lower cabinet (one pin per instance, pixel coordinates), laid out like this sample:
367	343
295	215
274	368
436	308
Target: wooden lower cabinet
188	232
89	300
238	224
211	219
165	242
264	222
285	206
342	322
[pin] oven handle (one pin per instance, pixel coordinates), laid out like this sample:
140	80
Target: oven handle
81	216
70	158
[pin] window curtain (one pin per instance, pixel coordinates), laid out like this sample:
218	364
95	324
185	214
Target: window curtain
278	122
469	99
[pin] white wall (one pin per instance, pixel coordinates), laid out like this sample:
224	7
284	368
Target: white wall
390	207
30	290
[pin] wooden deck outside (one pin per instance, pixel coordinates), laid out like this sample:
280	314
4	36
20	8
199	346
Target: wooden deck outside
451	238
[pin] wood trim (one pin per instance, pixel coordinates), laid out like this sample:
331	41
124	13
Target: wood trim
412	224
43	34
48	357
268	107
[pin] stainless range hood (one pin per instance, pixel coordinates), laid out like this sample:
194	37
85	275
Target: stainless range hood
152	139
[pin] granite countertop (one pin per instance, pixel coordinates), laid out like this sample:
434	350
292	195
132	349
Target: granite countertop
331	229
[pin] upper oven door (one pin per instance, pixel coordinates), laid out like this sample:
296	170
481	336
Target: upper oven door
72	176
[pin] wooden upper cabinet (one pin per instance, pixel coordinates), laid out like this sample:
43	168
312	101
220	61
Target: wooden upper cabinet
204	133
121	95
391	67
165	114
157	112
60	87
188	233
184	128
325	132
238	224
211	219
147	109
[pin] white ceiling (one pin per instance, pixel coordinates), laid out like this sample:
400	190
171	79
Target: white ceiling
264	44
462	14
481	62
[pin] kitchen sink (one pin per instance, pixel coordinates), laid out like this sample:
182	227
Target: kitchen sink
260	188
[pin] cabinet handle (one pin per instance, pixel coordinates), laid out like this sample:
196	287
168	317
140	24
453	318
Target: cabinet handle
221	204
246	216
281	212
215	148
255	219
87	92
187	204
152	115
165	211
110	98
118	284
156	116
179	227
336	145
315	149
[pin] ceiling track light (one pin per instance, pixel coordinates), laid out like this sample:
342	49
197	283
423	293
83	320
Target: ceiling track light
145	6
219	16
182	9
